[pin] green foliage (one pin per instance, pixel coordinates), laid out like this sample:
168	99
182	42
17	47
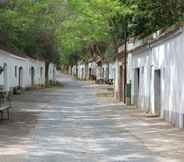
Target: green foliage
87	29
28	26
65	31
151	15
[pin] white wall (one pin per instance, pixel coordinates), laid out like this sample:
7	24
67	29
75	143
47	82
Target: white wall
39	79
112	71
105	70
99	72
11	61
26	63
52	72
81	71
168	56
93	67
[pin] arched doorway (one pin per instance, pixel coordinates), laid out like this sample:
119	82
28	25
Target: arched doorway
5	76
20	77
32	76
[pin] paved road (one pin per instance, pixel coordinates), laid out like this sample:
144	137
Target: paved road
71	124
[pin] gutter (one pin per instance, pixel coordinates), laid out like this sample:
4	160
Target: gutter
152	43
169	37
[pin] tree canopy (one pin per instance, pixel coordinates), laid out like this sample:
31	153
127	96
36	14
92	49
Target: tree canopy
64	31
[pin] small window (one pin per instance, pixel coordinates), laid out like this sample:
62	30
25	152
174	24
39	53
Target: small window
15	71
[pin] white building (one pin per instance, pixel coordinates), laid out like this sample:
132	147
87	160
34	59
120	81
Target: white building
112	71
92	71
156	73
22	72
52	72
81	71
74	70
105	72
92	68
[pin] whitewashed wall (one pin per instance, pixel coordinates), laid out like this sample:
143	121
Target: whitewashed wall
93	67
52	72
99	73
167	56
39	75
10	77
11	61
81	71
112	71
108	73
105	71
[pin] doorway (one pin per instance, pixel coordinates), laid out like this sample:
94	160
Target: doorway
5	76
136	85
32	76
41	75
20	77
157	92
90	74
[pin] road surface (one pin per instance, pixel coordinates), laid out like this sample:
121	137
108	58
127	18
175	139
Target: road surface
71	124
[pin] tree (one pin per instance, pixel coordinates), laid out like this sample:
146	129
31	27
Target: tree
94	25
150	15
65	31
30	26
87	27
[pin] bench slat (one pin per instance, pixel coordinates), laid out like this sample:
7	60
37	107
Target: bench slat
4	107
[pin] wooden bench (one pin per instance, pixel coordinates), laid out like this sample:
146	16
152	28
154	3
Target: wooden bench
5	105
3	109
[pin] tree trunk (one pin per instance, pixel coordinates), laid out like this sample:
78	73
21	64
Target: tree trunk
121	72
118	87
86	72
125	57
107	73
99	74
76	70
70	70
67	69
